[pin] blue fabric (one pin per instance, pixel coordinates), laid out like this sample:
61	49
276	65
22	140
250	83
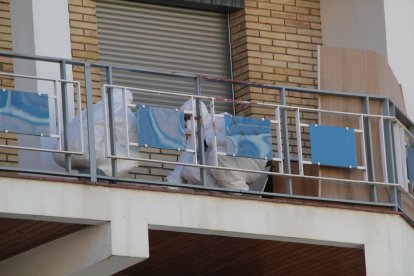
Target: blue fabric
333	146
249	137
410	163
160	127
24	112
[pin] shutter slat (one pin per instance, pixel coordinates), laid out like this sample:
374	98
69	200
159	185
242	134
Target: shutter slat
164	38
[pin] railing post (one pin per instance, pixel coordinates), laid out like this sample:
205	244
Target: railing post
388	137
111	122
370	166
200	133
285	137
396	197
90	120
390	152
65	116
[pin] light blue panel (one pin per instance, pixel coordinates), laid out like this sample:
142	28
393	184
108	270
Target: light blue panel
333	146
24	112
4	107
410	163
248	137
160	127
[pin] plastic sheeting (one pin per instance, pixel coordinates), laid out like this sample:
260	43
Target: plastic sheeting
160	127
248	137
81	162
24	112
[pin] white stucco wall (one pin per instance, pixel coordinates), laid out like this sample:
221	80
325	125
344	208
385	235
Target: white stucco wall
399	22
381	25
388	239
40	27
354	24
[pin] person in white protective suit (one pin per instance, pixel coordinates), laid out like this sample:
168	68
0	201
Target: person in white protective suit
188	174
238	180
215	178
81	162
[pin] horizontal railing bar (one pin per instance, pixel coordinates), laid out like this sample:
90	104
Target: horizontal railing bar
218	189
40	149
293	89
317	110
348	181
43	172
37	78
42	58
150	91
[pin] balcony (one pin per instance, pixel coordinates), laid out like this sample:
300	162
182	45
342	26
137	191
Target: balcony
297	162
367	166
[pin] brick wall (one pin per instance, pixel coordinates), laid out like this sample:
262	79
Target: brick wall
8	157
84	40
275	42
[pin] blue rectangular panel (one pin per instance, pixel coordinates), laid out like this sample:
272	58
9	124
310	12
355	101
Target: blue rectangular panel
4	107
24	113
333	146
160	127
248	137
410	163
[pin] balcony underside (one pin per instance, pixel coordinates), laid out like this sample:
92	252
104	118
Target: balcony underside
178	253
174	253
20	235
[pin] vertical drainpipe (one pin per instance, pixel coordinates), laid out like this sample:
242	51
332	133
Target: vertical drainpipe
231	61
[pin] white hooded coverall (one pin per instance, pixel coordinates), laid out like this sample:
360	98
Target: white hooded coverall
237	180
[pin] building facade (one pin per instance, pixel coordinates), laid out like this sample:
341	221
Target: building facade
310	220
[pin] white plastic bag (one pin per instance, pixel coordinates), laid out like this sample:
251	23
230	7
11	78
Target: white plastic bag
81	162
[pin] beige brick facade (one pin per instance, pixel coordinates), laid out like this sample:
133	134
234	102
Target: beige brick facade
84	40
275	42
8	157
6	64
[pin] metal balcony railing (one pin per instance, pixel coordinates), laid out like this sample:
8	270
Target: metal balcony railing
381	176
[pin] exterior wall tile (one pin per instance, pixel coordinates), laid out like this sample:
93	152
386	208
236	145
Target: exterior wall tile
84	40
8	157
290	58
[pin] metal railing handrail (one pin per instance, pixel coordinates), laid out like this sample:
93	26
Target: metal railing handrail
246	170
190	75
